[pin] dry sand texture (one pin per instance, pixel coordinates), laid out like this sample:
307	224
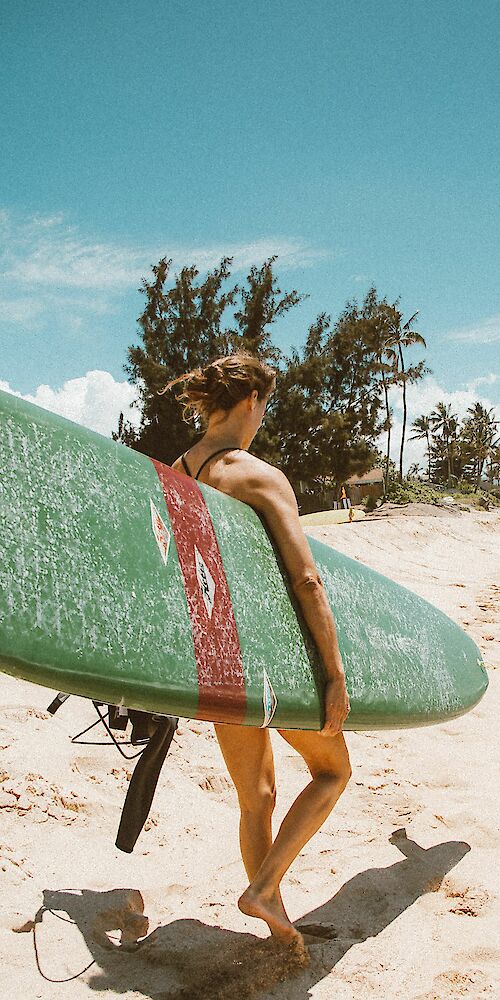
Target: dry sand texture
399	888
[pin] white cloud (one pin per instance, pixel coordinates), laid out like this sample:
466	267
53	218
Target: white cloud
52	309
423	397
56	279
69	263
482	380
19	310
46	221
362	278
291	254
486	331
94	400
47	252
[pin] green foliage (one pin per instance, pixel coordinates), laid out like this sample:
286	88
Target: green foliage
460	451
261	304
481	499
324	417
479	440
183	327
408	491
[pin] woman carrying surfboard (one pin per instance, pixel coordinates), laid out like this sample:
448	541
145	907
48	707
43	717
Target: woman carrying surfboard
229	396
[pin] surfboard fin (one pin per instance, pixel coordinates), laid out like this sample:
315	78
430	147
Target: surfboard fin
143	783
155	734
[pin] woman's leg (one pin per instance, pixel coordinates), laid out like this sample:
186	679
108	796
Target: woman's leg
249	759
328	761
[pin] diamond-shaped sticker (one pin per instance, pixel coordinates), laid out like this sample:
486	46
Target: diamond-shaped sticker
206	582
161	532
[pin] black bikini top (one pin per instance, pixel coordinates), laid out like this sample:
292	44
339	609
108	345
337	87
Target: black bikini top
207	460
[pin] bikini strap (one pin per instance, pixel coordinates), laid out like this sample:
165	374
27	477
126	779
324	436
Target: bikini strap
186	466
210	457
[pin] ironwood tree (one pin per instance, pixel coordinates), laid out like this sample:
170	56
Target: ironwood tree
185	324
325	413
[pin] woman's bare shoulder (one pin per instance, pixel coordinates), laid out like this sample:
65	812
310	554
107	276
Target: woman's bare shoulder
255	469
256	482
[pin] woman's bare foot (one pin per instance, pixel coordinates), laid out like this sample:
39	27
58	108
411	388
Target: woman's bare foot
270	908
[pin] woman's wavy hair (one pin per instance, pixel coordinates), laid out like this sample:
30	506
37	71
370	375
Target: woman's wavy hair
222	384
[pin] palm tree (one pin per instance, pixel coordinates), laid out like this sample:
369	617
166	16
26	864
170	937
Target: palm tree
422	427
454	443
439	459
494	466
404	336
387	361
414	471
390	339
444	422
479	433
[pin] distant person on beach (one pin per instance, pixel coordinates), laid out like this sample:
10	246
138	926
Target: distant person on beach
343	499
230	397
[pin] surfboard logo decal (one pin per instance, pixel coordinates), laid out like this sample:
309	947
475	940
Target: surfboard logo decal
161	532
269	701
206	582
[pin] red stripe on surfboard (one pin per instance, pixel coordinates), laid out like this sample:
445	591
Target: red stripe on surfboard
221	681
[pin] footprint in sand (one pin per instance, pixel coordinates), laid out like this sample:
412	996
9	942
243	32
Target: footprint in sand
479	954
466	901
12	860
31	795
215	783
22	713
456	983
406	811
6	739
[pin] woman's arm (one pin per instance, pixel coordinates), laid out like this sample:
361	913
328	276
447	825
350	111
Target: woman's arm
269	492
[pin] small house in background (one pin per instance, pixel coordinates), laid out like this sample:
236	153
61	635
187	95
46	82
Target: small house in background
371	484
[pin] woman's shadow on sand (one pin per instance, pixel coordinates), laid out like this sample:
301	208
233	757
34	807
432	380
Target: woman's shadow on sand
187	958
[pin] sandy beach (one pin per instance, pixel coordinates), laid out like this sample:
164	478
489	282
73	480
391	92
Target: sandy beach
398	891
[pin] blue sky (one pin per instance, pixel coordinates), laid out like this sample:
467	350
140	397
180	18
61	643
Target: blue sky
357	140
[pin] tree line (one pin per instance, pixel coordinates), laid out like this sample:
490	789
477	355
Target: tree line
467	450
332	399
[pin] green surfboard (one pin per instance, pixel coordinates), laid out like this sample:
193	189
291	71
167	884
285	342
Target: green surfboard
125	582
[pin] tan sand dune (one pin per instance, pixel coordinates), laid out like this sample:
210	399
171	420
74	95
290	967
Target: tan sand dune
399	890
